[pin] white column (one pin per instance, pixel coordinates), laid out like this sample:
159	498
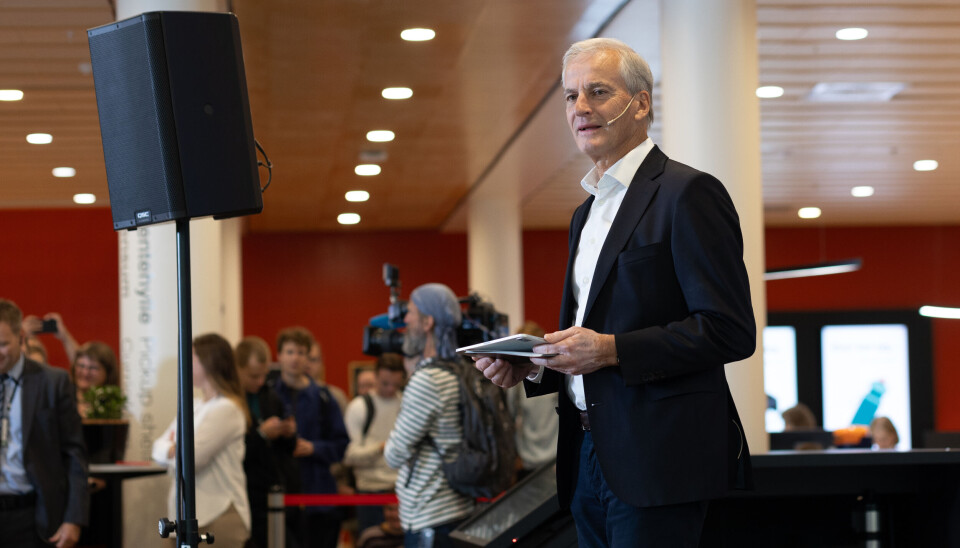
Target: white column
149	321
711	121
215	263
495	249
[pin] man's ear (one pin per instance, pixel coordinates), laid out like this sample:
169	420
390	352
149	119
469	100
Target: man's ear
428	323
643	100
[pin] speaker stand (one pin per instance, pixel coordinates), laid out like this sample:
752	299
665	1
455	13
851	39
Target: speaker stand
188	534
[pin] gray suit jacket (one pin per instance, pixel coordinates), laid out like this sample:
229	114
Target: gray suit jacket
53	446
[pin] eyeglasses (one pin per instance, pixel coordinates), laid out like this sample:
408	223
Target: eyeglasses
89	366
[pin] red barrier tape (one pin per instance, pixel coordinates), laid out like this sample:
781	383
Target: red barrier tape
351	500
339	500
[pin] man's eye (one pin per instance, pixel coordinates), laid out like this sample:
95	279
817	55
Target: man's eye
570	97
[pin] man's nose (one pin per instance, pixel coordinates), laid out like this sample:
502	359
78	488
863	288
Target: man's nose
581	106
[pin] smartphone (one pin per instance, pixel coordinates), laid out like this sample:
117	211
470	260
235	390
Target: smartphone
49	326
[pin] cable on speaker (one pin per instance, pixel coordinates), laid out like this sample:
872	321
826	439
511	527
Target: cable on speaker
266	163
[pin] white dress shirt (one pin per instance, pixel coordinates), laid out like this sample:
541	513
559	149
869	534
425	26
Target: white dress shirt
608	191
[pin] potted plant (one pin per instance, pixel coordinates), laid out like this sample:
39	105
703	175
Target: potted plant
104	428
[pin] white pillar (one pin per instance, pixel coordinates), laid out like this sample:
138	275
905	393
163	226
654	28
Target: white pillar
495	249
149	322
711	121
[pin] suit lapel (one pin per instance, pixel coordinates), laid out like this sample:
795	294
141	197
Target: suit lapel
635	202
30	395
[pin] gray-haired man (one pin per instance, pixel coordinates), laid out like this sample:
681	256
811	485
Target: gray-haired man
429	507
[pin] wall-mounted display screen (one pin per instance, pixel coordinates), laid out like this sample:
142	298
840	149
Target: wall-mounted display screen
851	366
779	373
866	374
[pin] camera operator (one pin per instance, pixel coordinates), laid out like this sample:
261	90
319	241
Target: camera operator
429	507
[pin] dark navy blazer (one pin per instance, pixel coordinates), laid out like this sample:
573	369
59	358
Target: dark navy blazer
671	285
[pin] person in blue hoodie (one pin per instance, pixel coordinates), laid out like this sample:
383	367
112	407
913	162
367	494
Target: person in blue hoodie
321	439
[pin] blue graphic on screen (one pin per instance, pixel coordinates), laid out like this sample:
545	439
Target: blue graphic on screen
866	374
868	407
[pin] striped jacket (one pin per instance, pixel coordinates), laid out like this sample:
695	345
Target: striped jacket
429	407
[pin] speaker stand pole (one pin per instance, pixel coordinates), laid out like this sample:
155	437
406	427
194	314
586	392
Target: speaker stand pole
187	528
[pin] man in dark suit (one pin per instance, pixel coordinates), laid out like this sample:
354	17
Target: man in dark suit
43	468
656	301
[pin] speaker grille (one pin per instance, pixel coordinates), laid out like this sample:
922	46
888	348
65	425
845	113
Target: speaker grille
136	123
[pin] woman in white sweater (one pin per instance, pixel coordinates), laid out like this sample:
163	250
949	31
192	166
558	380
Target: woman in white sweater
220	422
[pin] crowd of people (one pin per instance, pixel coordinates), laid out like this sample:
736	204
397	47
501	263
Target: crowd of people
261	423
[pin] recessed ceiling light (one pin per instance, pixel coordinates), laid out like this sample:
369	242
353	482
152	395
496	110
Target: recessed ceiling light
64	172
367	169
769	92
10	95
84	198
39	138
853	33
925	165
862	191
397	93
357	196
372	156
809	212
855	92
348	218
380	135
417	35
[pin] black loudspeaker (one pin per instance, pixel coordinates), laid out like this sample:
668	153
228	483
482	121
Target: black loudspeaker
174	118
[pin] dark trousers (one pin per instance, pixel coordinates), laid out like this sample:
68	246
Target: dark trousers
604	520
368	516
320	529
431	537
18	530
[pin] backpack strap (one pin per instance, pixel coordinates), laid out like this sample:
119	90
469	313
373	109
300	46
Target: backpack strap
371	411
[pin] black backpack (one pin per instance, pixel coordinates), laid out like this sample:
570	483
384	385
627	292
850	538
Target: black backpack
484	466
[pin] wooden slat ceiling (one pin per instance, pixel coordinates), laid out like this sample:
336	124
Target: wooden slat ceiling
315	70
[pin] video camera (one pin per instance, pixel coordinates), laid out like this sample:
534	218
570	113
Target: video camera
481	321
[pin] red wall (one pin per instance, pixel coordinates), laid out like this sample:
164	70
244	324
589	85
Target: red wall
63	260
332	283
66	261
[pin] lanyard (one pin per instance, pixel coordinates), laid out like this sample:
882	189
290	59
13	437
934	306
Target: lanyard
5	408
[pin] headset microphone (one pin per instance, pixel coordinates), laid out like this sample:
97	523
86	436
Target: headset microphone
622	113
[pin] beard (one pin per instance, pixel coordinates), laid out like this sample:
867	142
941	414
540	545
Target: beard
414	342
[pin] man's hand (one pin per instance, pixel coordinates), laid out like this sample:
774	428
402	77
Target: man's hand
272	428
578	351
66	536
303	449
289	427
501	372
31	325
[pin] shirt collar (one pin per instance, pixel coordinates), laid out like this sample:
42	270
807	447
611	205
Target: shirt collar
16	372
621	172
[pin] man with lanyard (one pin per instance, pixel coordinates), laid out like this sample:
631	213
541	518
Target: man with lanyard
43	469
